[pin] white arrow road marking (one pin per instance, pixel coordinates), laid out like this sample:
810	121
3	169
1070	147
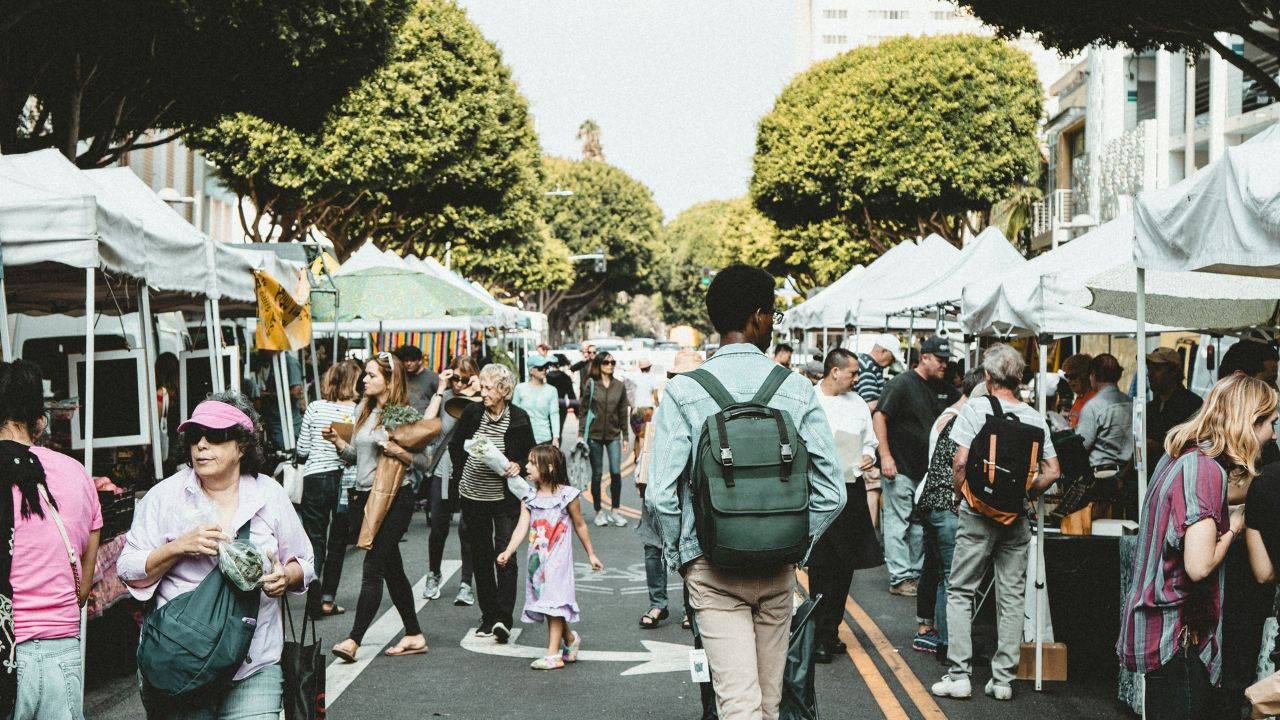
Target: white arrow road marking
657	657
338	676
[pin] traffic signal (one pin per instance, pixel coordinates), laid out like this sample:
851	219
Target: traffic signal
602	263
707	274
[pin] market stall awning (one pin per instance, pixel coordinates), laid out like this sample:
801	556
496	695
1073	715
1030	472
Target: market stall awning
989	254
380	286
1225	218
811	312
929	259
38	223
1205	301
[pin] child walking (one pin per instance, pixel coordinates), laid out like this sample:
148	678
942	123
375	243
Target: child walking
550	505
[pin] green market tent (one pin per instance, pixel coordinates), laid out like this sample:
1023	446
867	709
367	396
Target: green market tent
381	286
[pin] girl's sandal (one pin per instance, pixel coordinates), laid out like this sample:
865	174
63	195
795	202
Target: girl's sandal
651	619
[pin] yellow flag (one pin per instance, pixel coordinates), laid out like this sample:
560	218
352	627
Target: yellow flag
284	323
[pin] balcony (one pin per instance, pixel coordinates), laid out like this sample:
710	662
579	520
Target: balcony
1057	219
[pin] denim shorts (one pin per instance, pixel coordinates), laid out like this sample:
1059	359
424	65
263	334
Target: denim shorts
257	697
49	680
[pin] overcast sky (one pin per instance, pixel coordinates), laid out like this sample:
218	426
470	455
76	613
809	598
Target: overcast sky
677	86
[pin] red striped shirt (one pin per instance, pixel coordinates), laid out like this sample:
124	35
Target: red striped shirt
1164	601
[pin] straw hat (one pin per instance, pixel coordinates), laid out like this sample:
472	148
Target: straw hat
686	360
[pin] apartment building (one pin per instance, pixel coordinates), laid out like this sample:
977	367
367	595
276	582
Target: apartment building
1130	121
185	180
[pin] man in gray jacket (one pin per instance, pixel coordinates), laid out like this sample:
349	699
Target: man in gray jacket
743	617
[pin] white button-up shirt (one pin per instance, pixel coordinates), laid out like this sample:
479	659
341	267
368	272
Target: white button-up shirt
177	505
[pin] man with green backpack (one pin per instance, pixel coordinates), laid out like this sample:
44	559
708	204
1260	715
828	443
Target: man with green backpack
744	479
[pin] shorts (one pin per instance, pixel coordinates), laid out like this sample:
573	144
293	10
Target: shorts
639	418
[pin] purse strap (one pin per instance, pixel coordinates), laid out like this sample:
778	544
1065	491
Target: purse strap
72	559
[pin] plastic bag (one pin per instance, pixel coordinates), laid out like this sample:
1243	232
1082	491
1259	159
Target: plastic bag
241	563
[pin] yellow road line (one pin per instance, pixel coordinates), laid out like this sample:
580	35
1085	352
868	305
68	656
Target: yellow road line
923	700
866	667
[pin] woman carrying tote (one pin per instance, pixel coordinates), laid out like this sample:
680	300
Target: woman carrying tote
50	508
172	547
1171	626
384	384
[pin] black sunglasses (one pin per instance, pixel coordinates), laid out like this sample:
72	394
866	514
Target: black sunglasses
609	362
192	435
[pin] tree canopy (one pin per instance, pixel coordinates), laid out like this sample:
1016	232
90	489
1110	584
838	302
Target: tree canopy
608	209
91	77
708	235
911	136
1145	25
435	147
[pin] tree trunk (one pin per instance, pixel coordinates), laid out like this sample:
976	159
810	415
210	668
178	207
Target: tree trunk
70	124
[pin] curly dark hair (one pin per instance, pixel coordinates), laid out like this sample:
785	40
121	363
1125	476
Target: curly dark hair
251	444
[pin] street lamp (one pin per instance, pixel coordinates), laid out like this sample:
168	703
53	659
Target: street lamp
558	192
601	260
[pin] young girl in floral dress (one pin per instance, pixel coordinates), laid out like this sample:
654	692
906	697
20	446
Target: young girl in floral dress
550	508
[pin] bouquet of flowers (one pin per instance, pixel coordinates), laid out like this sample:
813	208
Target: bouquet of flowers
484	451
387	476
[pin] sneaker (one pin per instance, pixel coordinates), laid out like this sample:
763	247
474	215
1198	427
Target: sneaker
484	631
998	690
927	642
432	590
501	633
550	662
954	688
602	518
466	597
616	518
906	588
569	653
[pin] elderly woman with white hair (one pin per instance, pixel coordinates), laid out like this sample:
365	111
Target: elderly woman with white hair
489	510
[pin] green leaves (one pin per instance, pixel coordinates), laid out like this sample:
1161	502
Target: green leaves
890	141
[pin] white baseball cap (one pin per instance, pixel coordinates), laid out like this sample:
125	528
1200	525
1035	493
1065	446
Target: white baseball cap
892	344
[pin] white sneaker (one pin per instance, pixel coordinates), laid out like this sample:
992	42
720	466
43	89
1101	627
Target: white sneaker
501	633
432	590
602	518
999	691
617	519
954	688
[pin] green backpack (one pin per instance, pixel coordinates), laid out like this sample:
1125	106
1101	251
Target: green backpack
750	480
199	639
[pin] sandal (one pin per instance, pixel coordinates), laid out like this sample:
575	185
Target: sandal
649	620
332	609
401	650
686	623
341	652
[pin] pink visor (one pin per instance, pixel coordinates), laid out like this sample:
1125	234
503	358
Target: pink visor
217	415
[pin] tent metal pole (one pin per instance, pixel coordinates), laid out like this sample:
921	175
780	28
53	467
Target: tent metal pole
1140	404
1042	403
282	401
90	278
6	336
315	365
215	367
825	348
149	360
219	382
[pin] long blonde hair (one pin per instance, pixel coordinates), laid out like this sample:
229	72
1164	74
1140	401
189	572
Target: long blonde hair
1235	404
392	371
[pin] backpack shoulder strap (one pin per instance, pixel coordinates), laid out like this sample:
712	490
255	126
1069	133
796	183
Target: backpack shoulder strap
995	406
713	387
243	534
776	377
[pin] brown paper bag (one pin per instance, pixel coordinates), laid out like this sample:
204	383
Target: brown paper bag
343	430
415	437
1264	696
387	477
1079	522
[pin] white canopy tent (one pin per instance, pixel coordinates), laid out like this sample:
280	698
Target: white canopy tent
812	312
930	257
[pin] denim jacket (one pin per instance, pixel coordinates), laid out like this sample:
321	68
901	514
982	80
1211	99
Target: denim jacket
742	369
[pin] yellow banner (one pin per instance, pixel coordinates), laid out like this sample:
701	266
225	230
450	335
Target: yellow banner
283	322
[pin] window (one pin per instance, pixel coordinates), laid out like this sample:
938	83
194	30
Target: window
831	14
944	15
888	14
835	39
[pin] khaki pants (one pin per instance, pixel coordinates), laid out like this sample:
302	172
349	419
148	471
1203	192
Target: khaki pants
744	620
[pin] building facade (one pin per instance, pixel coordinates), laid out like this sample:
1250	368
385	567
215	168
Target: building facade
187	182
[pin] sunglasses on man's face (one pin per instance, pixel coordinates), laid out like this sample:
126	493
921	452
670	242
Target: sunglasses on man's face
216	436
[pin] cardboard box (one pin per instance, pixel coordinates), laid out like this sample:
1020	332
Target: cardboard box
1053	665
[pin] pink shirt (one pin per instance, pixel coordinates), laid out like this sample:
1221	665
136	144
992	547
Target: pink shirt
171	509
44	590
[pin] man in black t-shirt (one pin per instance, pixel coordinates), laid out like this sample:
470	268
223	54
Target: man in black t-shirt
903	418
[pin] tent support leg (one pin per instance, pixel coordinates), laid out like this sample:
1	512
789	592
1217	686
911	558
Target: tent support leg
149	359
90	311
1140	403
6	336
219	382
215	367
1040	588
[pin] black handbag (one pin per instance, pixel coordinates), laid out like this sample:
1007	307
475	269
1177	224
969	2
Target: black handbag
799	698
303	667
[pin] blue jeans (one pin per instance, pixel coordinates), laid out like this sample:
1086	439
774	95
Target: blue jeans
49	680
615	471
939	547
257	697
655	575
903	540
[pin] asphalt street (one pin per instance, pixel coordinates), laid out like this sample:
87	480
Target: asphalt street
625	671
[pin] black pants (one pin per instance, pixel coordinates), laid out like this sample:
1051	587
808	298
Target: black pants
327	530
382	563
440	513
489	527
1178	690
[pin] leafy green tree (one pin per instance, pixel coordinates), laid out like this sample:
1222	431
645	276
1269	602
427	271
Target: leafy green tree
708	236
435	149
1145	25
608	209
911	136
92	78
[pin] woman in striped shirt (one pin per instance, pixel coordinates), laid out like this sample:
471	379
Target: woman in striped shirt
1171	626
489	510
322	517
